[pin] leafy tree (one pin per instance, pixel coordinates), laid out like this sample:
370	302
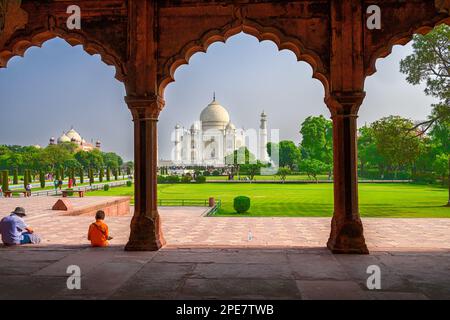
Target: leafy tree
252	169
112	160
430	63
317	139
441	166
283	172
239	157
287	152
368	154
397	145
313	167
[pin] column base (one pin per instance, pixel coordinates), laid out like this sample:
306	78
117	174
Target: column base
145	234
347	237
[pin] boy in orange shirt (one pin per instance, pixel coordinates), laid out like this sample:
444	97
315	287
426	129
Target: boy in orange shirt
98	231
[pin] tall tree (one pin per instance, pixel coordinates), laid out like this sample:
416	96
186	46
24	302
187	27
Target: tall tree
317	139
430	64
368	154
286	152
397	145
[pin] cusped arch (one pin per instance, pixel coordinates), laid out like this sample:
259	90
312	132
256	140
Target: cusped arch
282	41
401	39
17	46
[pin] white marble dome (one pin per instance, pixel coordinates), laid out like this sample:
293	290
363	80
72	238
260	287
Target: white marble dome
64	138
214	116
74	136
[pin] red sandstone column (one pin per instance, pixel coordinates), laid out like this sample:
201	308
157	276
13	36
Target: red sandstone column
346	228
146	234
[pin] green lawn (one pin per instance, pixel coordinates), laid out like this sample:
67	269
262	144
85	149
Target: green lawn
310	200
271	177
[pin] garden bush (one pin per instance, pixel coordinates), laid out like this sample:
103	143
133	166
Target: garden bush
186	178
69	192
206	173
106	187
241	204
129	183
172	179
216	173
200	179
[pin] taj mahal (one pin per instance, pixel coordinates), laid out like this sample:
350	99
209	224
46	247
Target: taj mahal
208	141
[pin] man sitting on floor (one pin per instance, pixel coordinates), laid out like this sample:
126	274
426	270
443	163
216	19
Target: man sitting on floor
15	231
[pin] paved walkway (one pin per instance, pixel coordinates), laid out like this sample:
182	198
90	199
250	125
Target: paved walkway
212	258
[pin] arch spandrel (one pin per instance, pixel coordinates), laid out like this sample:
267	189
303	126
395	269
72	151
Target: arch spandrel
399	24
298	26
103	31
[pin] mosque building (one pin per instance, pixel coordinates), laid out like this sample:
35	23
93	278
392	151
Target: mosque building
74	137
214	136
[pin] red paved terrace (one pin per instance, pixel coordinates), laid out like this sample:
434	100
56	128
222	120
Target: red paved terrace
147	40
214	258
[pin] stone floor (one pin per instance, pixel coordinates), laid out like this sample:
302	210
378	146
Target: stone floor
227	258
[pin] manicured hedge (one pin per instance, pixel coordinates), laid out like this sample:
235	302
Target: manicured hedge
241	204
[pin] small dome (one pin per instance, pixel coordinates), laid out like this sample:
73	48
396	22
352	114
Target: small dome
177	127
74	136
195	126
64	138
214	116
231	126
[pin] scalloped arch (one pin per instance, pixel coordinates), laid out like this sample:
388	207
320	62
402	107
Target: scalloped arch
252	28
401	39
20	45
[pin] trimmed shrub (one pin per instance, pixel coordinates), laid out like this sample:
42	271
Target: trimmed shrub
200	179
81	174
26	178
42	179
16	176
216	173
106	187
172	179
108	174
101	174
91	176
206	173
5	180
186	179
69	192
161	179
241	204
129	183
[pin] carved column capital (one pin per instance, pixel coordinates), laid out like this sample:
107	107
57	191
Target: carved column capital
145	108
345	104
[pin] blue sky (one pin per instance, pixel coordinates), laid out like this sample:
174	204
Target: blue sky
58	86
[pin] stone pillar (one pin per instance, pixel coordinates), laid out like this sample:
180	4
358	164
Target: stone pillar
346	228
146	234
